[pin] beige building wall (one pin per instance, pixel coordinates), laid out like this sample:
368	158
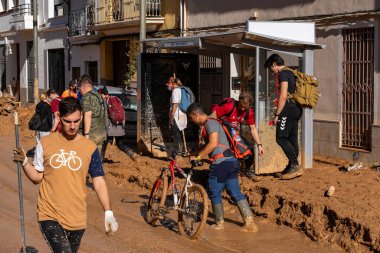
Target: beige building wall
170	10
328	114
327	62
225	12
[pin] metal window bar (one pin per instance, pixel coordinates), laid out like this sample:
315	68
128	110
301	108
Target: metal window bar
153	8
80	21
117	10
207	62
357	87
22	9
30	70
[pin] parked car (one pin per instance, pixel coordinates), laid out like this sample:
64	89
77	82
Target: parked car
129	99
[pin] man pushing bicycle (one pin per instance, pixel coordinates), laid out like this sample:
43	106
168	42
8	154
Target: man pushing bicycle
223	170
61	164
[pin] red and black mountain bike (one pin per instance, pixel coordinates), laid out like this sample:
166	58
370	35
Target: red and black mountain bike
190	202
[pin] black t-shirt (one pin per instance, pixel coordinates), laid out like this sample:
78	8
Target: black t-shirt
288	76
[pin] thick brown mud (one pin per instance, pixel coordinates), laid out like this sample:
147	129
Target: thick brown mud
293	216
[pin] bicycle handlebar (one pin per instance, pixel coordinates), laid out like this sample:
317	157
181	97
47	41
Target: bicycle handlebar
196	163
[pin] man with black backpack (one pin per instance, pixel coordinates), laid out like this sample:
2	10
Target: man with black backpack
180	100
235	112
287	115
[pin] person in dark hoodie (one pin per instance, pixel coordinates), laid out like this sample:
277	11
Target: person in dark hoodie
44	110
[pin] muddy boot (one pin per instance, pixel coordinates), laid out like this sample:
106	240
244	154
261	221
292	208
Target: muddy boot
246	213
136	158
218	216
280	174
250	174
294	171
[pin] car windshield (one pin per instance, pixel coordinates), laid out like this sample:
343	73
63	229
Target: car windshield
130	103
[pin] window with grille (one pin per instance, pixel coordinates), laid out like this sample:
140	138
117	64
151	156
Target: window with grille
208	62
357	87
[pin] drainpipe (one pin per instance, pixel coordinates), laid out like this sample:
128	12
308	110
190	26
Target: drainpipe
69	53
181	6
142	24
35	52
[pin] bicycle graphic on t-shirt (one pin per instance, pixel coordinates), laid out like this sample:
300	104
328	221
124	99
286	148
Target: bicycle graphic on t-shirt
66	159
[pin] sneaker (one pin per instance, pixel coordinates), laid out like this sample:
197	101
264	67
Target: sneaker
294	172
280	174
250	174
135	158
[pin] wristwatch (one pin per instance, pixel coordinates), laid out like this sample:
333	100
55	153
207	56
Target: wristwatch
87	134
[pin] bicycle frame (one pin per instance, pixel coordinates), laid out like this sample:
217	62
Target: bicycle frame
173	167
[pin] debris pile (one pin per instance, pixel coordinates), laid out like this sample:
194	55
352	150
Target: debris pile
7	104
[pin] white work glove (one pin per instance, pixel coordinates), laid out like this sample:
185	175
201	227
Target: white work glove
19	155
110	222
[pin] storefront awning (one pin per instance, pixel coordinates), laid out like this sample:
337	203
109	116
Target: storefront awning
266	35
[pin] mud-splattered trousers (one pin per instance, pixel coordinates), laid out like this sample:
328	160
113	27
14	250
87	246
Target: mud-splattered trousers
224	175
60	240
287	131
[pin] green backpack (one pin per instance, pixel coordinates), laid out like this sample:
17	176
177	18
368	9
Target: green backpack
306	93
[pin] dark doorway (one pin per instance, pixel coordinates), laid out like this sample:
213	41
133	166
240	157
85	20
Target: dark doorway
155	98
30	77
56	67
92	70
75	73
17	84
2	68
120	61
211	91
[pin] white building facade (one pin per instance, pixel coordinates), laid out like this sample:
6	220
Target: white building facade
64	49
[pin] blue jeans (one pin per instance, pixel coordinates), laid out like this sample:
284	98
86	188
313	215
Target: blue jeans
224	175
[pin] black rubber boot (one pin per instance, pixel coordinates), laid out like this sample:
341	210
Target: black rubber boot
246	213
218	216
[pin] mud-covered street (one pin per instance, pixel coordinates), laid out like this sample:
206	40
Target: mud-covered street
293	216
134	234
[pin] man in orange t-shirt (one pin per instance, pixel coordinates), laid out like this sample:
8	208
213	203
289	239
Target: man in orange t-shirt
71	91
61	164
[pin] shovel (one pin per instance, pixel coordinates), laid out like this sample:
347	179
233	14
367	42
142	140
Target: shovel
20	188
184	142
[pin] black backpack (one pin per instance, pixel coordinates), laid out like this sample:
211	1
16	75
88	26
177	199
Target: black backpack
35	122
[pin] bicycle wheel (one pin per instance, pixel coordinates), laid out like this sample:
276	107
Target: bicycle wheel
56	161
156	205
75	163
192	219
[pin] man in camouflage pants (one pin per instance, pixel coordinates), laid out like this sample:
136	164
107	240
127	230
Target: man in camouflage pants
94	118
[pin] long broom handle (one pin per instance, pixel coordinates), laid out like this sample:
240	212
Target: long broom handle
20	196
184	140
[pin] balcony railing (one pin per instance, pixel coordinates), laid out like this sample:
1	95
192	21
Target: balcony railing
80	21
110	11
153	8
22	9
